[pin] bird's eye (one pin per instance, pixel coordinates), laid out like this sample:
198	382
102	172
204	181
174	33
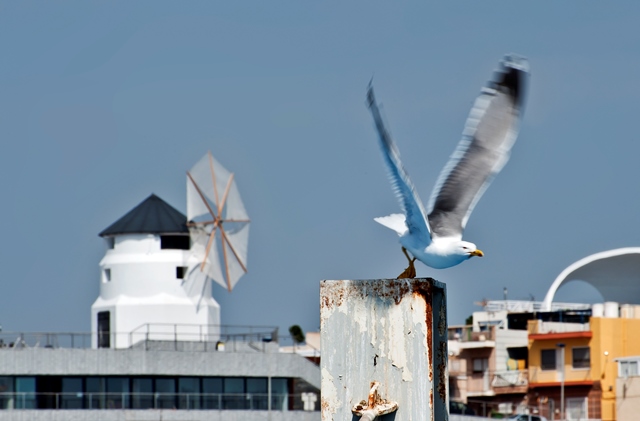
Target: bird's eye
465	248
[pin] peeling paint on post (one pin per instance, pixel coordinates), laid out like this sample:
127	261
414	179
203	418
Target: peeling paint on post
389	331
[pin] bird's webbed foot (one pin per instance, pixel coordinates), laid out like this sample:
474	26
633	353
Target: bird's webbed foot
410	271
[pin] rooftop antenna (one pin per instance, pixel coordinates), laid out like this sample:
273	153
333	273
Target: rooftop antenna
218	222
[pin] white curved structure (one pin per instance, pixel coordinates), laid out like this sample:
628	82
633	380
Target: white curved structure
143	295
614	273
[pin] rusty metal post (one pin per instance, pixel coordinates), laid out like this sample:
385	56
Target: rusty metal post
384	348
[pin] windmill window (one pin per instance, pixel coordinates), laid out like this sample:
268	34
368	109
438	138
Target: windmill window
181	272
176	242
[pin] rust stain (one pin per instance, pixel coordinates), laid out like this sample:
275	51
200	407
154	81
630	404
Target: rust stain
442	371
424	290
334	293
431	398
324	404
442	324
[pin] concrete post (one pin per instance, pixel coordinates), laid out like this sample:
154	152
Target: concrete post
384	342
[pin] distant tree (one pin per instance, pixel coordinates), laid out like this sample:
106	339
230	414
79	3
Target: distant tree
297	334
468	320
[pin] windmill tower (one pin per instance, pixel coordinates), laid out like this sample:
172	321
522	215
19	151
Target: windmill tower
145	289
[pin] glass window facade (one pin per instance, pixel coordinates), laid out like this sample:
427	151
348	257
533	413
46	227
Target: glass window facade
147	392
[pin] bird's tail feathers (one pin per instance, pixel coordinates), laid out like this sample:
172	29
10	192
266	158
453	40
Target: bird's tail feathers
395	221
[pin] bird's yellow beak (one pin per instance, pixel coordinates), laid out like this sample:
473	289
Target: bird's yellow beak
478	253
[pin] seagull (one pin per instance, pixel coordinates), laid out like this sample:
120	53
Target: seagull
435	237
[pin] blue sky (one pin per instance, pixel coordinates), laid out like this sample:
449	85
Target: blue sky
103	103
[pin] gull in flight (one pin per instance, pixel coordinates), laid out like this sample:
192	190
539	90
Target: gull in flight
435	237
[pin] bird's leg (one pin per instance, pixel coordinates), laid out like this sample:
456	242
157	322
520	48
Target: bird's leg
410	271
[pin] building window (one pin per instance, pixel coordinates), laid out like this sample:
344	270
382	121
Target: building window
212	390
106	275
6	393
118	392
181	272
104	329
581	357
576	409
258	389
176	242
548	359
628	368
25	393
142	396
189	393
71	396
165	392
480	365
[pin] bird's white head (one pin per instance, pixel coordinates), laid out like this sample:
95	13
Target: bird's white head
468	249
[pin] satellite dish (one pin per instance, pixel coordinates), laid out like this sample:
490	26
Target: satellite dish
218	223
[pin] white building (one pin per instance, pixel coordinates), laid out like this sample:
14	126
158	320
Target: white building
143	274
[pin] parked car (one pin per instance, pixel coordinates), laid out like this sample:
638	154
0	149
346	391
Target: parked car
526	417
460	408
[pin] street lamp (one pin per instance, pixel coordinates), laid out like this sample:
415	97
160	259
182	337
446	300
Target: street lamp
561	346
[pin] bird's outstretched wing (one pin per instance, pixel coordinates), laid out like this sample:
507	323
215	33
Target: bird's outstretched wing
489	134
415	216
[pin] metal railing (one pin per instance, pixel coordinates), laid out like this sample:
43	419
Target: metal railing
19	340
466	334
538	375
510	378
178	401
521	306
152	336
209	337
487	382
542	327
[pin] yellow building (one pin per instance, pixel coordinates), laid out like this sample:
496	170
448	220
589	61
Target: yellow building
584	353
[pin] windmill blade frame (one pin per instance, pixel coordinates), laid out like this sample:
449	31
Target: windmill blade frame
208	212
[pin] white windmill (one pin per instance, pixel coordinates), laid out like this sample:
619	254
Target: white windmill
218	224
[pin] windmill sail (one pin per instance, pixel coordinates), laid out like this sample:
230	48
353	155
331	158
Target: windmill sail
218	222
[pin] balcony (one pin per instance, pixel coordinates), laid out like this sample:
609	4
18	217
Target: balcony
466	334
548	378
538	327
511	381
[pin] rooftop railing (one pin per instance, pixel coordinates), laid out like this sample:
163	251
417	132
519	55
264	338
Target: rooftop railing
521	306
174	337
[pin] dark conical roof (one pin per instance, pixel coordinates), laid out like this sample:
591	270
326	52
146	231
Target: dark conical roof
152	216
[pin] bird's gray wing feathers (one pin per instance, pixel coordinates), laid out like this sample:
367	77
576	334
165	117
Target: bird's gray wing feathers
489	134
415	216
